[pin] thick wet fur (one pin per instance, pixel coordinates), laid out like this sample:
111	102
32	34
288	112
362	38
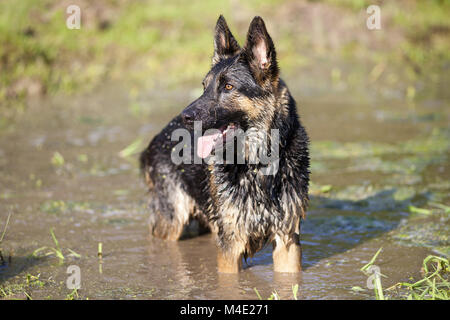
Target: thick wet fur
245	208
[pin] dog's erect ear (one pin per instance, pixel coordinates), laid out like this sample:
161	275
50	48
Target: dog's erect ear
225	46
259	52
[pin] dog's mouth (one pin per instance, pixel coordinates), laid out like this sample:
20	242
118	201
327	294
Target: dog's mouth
207	143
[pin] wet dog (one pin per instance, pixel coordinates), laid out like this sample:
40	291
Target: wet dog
245	205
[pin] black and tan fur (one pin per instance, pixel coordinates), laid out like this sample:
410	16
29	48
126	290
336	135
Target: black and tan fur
243	207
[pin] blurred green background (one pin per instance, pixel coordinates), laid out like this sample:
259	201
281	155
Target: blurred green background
169	43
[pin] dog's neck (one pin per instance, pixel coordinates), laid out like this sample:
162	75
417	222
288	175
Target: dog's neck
278	108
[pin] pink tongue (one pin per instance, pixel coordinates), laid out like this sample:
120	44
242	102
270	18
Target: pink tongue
205	145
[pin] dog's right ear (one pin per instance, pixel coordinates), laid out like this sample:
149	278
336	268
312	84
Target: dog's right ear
225	45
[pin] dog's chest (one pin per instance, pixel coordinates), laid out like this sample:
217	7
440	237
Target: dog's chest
248	200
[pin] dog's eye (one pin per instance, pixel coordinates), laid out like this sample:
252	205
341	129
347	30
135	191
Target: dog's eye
228	87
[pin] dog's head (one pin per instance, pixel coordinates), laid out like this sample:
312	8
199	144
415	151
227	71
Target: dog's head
241	83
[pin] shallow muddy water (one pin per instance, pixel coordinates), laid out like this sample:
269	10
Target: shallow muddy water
61	169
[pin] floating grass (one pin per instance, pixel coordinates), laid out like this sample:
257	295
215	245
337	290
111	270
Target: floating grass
371	262
100	257
131	149
100	250
295	291
275	296
57	251
6	226
257	293
2	260
57	159
367	270
423	211
443	207
73	295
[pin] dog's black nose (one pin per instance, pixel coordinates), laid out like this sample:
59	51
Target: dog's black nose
188	118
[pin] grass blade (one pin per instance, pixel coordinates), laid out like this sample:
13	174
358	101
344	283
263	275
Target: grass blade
364	268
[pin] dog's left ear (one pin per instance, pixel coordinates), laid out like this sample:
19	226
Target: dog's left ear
225	45
259	52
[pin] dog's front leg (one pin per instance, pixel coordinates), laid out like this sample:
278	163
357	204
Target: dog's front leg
228	263
230	241
230	260
287	254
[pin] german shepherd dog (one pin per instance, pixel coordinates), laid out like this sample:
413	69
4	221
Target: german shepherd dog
241	205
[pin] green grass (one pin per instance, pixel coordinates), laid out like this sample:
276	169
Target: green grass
170	42
376	281
132	149
56	251
434	285
2	260
38	48
425	48
73	295
275	296
22	290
